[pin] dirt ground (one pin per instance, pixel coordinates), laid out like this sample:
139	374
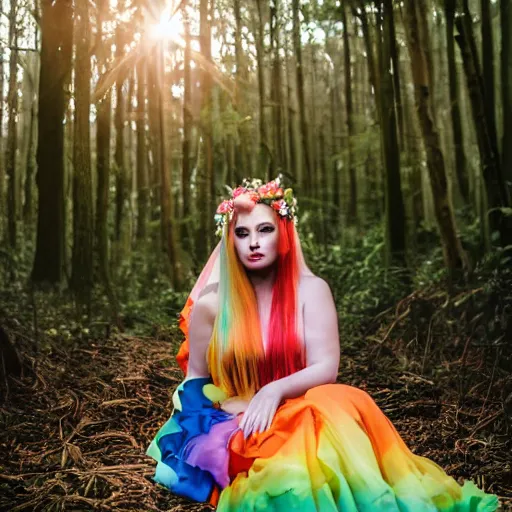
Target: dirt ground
74	428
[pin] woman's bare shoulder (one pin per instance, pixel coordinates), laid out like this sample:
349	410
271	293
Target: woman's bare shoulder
207	303
311	286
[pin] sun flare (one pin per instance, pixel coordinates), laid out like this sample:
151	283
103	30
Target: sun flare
169	27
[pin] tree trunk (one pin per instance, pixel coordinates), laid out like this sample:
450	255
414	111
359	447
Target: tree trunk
506	88
460	156
119	122
154	141
243	161
419	52
394	203
395	59
103	136
294	133
186	226
30	157
142	172
276	90
349	109
2	166
83	220
301	101
488	70
497	193
166	198
56	51
12	132
266	163
370	55
205	233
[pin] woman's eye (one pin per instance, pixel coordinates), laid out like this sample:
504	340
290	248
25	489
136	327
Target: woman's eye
267	229
240	234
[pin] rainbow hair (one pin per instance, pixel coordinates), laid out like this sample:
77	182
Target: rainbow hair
237	359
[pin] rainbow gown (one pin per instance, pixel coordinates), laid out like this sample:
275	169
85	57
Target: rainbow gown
332	449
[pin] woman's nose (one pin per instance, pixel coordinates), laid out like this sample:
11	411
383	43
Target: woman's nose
254	244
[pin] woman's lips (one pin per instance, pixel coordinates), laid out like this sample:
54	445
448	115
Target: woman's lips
256	256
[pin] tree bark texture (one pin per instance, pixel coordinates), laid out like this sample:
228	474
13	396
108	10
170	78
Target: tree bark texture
103	168
56	51
488	69
186	229
506	88
142	171
206	184
349	109
497	193
119	123
394	203
453	87
12	132
83	219
301	100
419	50
265	153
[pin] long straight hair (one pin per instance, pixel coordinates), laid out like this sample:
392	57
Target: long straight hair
237	358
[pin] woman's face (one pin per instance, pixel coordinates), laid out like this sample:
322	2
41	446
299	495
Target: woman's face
256	237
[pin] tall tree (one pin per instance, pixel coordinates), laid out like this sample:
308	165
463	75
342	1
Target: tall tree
301	100
488	69
352	199
243	161
276	89
506	87
498	197
12	113
186	231
265	154
83	220
207	183
397	90
294	131
28	159
2	167
394	203
56	51
119	122
453	87
419	53
103	159
166	197
142	171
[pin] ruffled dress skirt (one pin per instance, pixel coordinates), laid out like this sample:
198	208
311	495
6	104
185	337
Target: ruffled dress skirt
331	450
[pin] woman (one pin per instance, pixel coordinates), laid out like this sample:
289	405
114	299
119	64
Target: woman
258	424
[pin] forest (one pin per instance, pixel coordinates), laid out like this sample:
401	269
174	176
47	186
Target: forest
124	123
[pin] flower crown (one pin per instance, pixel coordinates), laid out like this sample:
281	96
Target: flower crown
271	194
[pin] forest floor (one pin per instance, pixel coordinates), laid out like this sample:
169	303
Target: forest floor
74	428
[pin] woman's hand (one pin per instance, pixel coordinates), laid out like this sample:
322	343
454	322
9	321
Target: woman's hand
262	409
234	405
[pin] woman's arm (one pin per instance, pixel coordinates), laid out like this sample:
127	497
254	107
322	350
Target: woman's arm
321	341
199	334
323	356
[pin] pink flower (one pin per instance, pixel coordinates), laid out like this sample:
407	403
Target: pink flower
277	205
271	189
238	191
264	190
253	196
225	207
